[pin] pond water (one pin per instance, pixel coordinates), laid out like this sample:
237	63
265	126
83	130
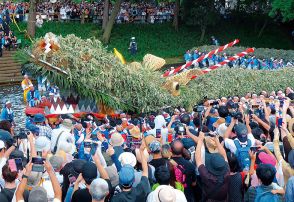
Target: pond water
14	94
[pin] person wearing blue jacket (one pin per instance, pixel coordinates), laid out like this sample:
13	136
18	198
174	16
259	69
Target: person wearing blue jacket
187	56
196	54
33	97
7	113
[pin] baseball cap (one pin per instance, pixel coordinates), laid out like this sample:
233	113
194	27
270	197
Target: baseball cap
126	176
89	172
127	158
77	167
2	144
241	131
266	158
154	146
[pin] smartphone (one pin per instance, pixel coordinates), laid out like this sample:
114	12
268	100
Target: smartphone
38	160
87	144
104	147
254	149
158	133
12	165
93	149
18	162
279	122
38	168
72	179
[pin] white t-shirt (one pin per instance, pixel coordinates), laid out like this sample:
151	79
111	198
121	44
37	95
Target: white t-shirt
164	134
229	143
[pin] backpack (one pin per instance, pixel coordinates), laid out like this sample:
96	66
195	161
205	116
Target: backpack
242	153
180	175
265	196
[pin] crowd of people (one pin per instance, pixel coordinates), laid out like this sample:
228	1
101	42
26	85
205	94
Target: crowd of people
248	62
129	12
231	149
8	40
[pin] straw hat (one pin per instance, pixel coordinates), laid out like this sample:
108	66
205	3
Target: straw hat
135	132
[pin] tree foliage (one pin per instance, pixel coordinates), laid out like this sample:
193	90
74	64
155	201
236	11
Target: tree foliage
283	9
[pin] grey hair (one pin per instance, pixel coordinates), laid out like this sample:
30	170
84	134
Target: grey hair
99	189
34	178
165	150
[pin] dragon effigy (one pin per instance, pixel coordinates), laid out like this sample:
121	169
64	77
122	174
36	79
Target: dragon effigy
86	68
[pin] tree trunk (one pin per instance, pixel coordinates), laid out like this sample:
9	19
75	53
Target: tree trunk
176	15
203	30
83	17
105	14
256	26
262	28
108	28
32	18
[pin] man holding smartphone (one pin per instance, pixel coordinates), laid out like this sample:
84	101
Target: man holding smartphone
39	193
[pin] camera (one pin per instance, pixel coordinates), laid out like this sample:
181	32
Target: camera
21	135
180	129
237	115
213	103
198	108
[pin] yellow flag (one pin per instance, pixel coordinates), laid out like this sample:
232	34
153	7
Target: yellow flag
119	56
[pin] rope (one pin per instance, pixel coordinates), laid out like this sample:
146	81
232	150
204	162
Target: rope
21	31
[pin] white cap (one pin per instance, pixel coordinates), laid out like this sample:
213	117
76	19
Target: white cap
2	144
133	38
7	102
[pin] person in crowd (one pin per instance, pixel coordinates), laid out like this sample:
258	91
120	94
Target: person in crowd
265	192
33	97
126	179
187	56
166	193
214	41
38	193
25	84
39	120
133	47
155	149
39	21
187	167
7	113
214	174
7	43
10	177
4	155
